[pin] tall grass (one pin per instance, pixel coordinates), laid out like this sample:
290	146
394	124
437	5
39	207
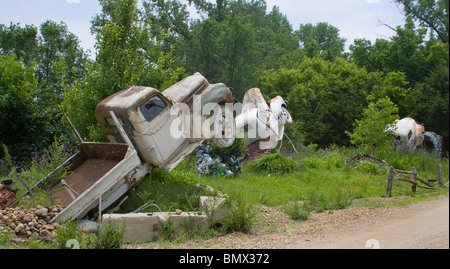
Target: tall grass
166	192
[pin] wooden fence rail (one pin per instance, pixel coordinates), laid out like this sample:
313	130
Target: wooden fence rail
395	174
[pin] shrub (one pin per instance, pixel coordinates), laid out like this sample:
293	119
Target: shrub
369	168
240	219
275	163
67	231
330	161
109	237
332	200
296	211
167	229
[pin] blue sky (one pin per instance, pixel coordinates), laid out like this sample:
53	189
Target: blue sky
354	18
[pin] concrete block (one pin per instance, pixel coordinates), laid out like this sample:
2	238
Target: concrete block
137	227
216	208
144	227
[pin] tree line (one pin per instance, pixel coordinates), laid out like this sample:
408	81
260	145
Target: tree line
44	71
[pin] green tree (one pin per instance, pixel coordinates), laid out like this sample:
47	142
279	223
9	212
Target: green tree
393	86
127	54
372	57
19	130
56	58
19	41
433	14
324	97
237	41
321	40
370	134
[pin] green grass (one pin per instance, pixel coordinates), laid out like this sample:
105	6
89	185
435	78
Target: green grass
166	192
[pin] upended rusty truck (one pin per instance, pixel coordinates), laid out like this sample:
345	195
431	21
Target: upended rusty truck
146	128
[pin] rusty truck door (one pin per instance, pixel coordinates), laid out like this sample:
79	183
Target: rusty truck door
157	121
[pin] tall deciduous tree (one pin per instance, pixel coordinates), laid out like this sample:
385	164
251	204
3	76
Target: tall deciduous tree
433	14
370	134
127	54
321	40
21	41
18	128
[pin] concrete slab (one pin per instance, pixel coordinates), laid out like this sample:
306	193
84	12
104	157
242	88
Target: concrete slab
146	227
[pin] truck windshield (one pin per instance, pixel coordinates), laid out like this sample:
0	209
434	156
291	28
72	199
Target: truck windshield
152	108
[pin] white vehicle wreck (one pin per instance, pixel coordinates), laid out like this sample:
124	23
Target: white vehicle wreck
408	132
262	122
140	123
412	136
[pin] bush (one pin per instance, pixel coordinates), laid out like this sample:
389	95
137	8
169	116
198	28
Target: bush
275	163
296	211
320	201
68	236
370	168
167	229
330	161
240	219
109	237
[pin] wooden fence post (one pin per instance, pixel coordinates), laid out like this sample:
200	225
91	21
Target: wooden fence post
439	171
390	181
414	180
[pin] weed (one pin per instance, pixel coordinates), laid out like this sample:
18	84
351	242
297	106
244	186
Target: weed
109	237
296	211
240	219
167	229
276	163
67	231
370	168
320	200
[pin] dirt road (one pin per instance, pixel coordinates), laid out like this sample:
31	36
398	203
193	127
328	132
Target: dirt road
419	226
422	225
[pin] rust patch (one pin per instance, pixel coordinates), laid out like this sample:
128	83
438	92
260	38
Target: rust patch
229	98
81	180
130	91
7	195
189	99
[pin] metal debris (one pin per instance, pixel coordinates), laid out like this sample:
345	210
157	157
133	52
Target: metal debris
360	158
7	194
209	165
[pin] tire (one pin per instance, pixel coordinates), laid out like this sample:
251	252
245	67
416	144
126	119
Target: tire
225	136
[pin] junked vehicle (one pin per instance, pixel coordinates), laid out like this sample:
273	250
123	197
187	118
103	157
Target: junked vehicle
262	122
408	132
146	129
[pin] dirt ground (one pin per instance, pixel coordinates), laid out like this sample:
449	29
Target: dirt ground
422	225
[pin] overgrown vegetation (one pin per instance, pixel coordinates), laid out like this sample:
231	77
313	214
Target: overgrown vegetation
165	192
326	181
275	163
109	236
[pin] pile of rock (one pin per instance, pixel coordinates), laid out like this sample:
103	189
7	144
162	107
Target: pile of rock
34	223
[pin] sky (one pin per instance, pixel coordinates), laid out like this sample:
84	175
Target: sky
354	18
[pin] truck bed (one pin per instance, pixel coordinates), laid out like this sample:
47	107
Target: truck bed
81	179
99	174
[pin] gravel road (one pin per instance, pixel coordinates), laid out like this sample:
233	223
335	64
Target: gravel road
422	225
